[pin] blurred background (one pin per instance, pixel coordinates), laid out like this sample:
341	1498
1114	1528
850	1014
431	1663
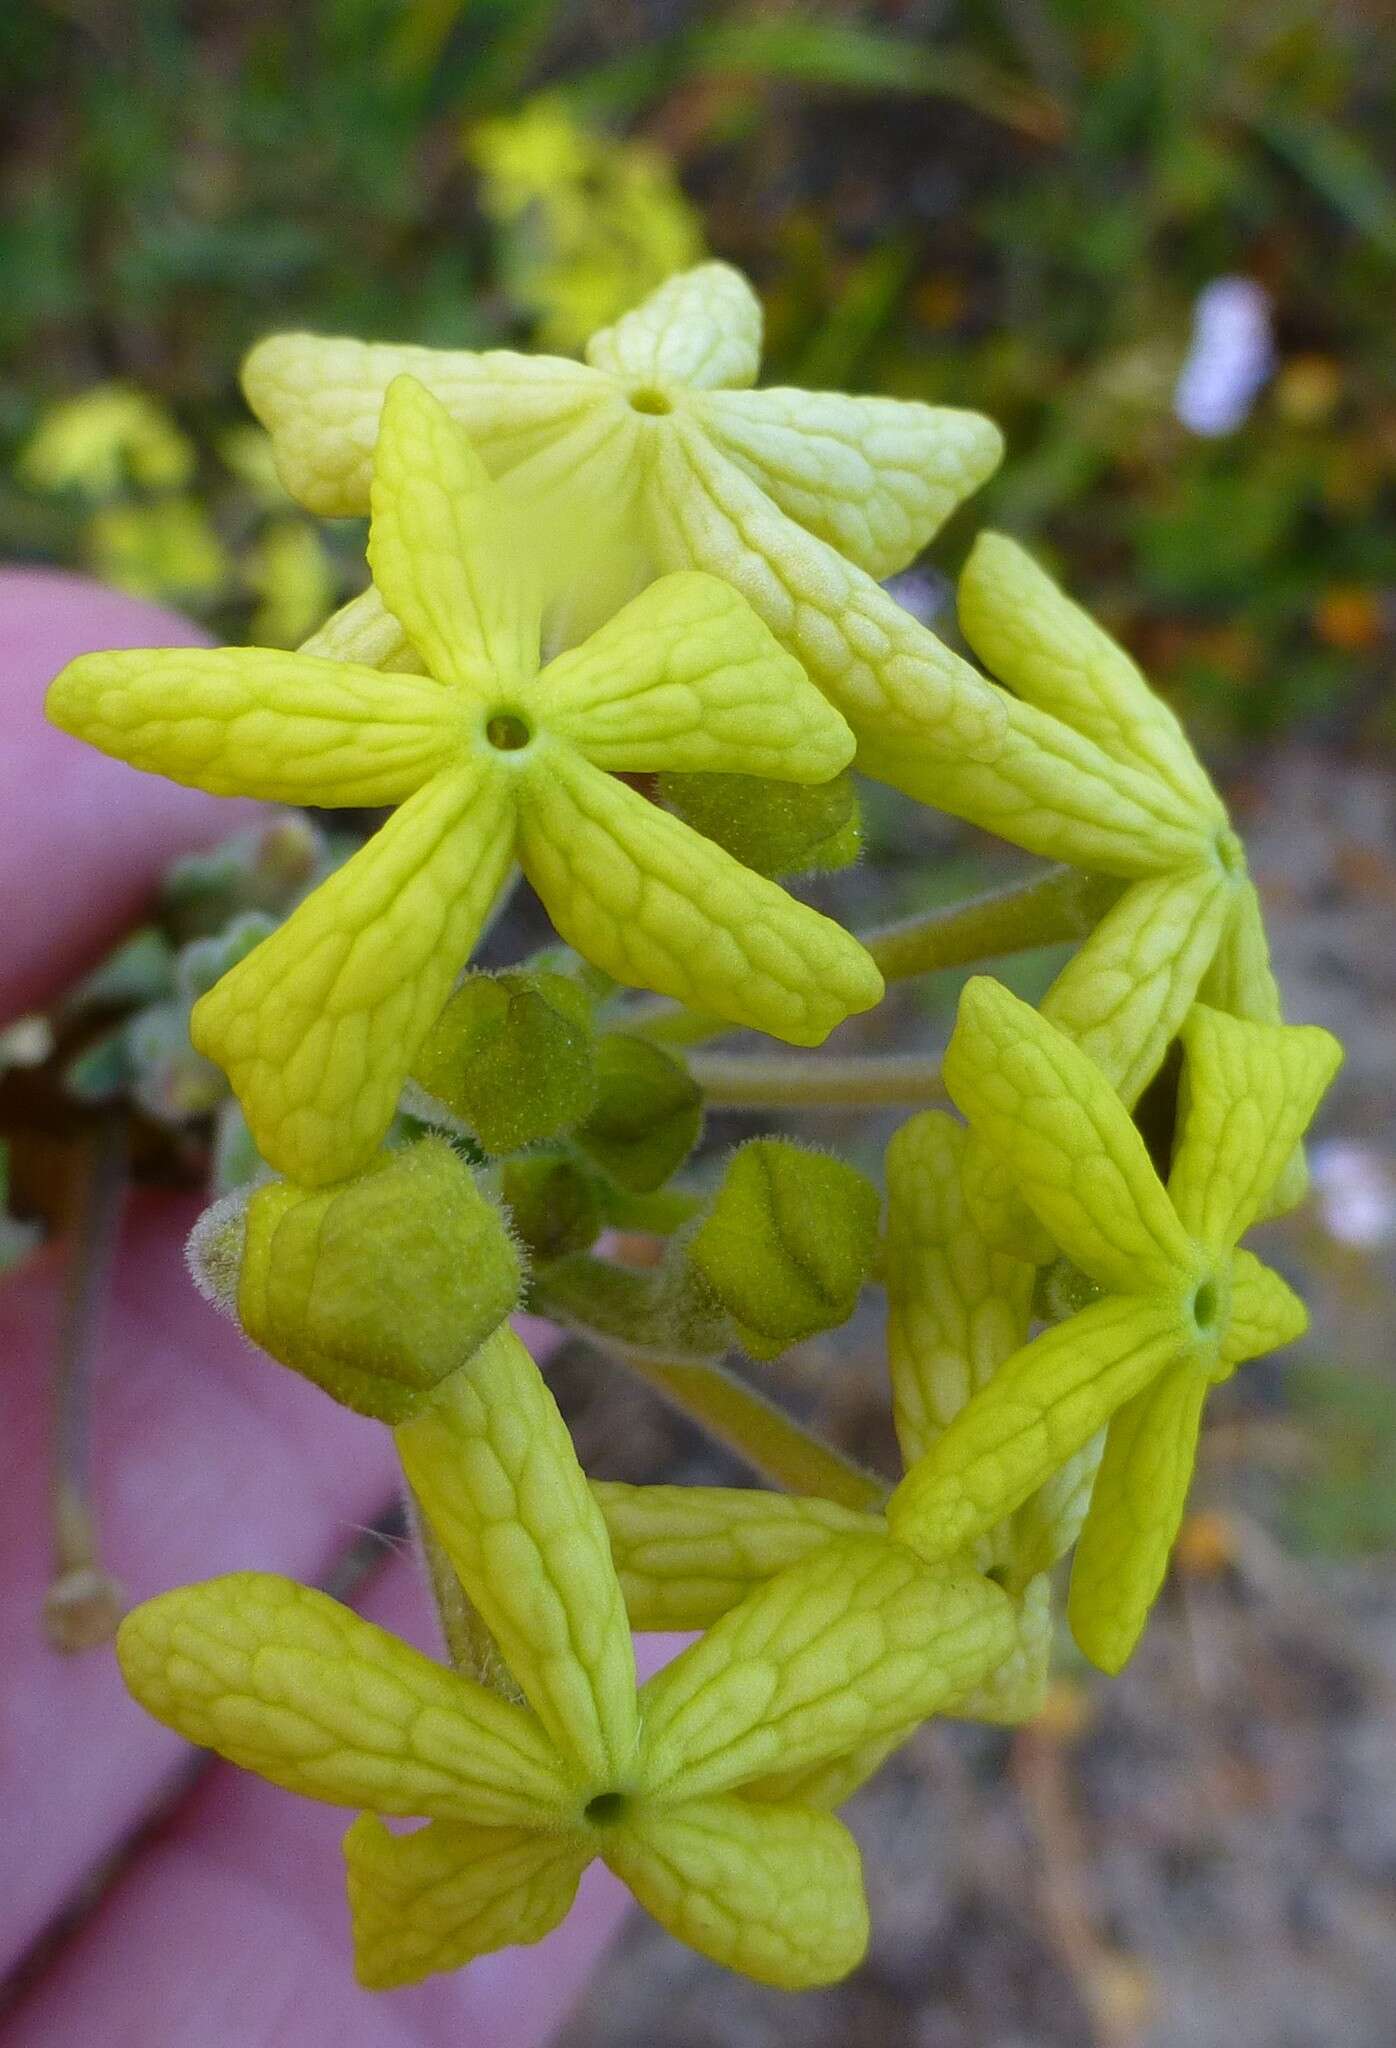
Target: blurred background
1158	244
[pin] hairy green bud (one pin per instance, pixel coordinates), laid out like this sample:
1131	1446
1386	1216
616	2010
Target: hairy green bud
787	1243
777	828
556	1204
376	1288
512	1056
648	1114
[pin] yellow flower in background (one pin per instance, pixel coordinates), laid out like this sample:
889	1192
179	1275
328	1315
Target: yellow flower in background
657	450
681	1788
294	580
586	221
489	756
104	438
167	550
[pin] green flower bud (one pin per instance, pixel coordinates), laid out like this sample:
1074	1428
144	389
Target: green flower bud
376	1288
788	1242
555	1203
648	1114
512	1056
777	828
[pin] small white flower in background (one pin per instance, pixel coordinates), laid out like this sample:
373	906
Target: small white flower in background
1231	355
1356	1191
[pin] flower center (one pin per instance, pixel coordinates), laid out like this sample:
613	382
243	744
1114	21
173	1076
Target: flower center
507	732
1205	1304
647	399
606	1808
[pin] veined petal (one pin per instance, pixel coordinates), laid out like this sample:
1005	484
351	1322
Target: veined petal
1050	790
642	895
446	549
687	677
829	1784
685	1554
1014	1689
1053	1119
955	1308
1265	1312
286	1682
250	721
1250	1092
701	328
852	1644
1049	1521
365	631
1123	996
320	398
317	1028
1136	1508
1242	983
493	1466
436	1899
875	477
1041	1407
1027	631
773	1891
892	680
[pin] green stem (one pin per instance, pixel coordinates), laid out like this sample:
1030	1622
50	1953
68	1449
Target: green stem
1063	903
792	1081
770	1440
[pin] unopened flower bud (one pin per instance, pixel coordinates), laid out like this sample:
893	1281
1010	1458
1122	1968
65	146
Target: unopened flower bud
511	1056
776	828
787	1243
648	1114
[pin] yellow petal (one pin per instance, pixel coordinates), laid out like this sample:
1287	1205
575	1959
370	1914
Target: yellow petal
447	551
894	682
643	896
955	1308
364	630
1049	789
317	1028
1140	1492
685	1554
436	1899
1067	1140
493	1466
1265	1313
1250	1092
250	721
1051	652
701	328
688	678
1014	1689
851	1644
286	1682
874	477
830	1784
320	398
1123	997
1041	1407
1242	983
775	1892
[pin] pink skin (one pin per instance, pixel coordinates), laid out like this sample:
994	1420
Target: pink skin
229	1925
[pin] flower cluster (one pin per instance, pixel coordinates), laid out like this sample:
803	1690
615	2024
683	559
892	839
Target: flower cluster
640	566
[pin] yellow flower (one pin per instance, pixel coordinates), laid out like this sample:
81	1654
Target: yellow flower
167	549
95	441
488	756
681	1788
657	449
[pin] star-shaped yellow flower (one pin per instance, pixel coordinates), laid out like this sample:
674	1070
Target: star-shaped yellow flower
1095	771
1181	1307
679	1788
488	758
661	452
